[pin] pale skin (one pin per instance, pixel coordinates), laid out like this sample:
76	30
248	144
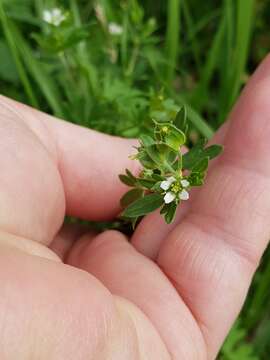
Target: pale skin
174	291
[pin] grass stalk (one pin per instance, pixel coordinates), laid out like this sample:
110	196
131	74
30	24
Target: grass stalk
172	38
244	20
259	298
201	94
12	41
38	72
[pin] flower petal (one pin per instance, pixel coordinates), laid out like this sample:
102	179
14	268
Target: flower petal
56	12
169	197
184	195
165	185
115	29
47	16
171	179
185	183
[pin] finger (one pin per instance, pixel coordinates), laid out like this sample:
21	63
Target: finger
49	167
132	276
89	162
152	230
212	255
65	239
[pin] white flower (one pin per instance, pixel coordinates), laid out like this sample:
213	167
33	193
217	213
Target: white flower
177	190
115	29
54	16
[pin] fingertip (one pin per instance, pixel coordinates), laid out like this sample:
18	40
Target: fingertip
104	243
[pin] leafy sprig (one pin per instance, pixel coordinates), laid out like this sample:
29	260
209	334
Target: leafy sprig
168	174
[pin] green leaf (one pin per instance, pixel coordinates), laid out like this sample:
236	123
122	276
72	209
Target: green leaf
170	134
131	196
147	140
144	206
127	180
146	160
194	155
156	187
178	165
147	183
130	175
134	222
162	155
8	70
157	177
171	212
181	119
198	153
164	209
213	151
63	39
175	138
196	179
201	166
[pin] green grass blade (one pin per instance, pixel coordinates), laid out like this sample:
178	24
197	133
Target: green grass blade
257	304
245	13
172	38
244	20
228	41
261	339
199	123
43	79
124	40
83	53
39	6
190	31
212	62
12	41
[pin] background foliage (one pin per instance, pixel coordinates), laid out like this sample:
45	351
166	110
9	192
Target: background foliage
167	53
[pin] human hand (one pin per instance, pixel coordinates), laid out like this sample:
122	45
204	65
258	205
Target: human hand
174	292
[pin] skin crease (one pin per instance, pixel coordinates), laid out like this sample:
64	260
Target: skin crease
173	292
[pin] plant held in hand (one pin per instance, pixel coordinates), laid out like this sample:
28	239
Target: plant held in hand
167	175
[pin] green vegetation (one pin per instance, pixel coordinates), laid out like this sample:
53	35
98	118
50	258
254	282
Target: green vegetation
109	65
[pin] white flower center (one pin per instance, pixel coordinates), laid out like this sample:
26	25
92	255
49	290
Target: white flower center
174	189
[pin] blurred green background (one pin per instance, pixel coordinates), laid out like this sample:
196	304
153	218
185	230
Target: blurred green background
110	65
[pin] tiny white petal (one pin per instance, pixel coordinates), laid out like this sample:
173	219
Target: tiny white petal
169	197
165	185
184	195
171	179
54	16
185	183
56	12
115	29
47	16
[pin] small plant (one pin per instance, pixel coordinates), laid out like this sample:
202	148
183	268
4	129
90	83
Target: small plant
168	174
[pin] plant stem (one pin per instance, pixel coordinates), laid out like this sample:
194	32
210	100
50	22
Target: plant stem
133	59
